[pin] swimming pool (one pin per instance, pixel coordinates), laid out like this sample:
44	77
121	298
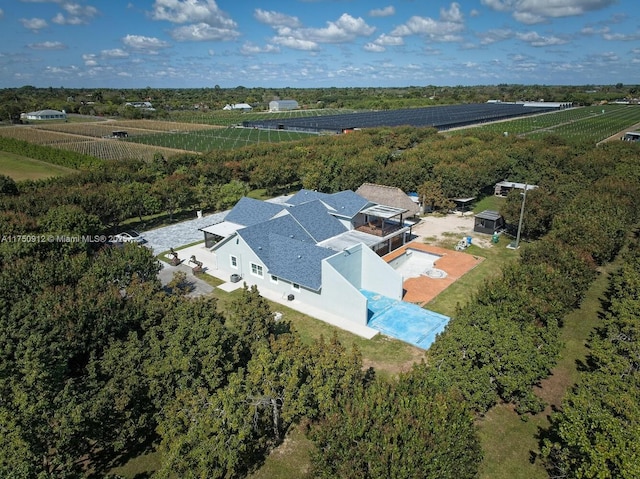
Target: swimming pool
404	321
414	263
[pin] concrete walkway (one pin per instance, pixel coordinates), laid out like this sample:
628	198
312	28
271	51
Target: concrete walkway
186	232
180	234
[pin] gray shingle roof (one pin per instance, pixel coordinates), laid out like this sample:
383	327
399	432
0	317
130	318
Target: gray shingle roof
314	217
297	261
249	212
346	203
257	236
303	196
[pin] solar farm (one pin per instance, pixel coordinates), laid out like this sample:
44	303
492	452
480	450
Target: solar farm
440	117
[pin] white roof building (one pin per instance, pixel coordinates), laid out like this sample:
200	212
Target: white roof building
47	115
238	106
283	105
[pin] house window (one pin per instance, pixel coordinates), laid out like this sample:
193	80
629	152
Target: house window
256	270
274	279
234	262
295	286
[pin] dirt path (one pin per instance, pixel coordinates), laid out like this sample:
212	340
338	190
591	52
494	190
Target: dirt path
452	227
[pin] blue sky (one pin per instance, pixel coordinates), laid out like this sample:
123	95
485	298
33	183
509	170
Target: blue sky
317	43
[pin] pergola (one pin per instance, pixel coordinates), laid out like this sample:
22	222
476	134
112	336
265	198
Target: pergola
378	219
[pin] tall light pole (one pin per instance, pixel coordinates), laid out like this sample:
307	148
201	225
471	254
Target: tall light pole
524	199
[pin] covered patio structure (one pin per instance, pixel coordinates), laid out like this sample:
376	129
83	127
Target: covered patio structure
387	223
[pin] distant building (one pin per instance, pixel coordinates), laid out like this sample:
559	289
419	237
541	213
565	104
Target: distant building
143	105
503	188
631	136
47	115
283	105
238	107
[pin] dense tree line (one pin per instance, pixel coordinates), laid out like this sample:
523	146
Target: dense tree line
595	433
97	360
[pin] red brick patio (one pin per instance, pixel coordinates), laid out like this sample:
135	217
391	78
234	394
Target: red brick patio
423	289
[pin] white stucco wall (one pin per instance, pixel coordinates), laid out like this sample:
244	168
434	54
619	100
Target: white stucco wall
379	277
341	280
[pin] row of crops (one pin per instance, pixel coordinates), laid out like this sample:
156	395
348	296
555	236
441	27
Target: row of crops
216	139
588	124
228	118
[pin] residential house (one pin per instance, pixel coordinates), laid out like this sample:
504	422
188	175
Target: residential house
321	249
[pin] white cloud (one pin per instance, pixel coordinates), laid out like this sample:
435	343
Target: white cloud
202	20
150	45
252	49
47	46
495	35
90	59
276	19
295	43
453	14
373	47
114	53
536	11
445	29
389	40
33	24
383	12
76	14
199	32
536	40
1	13
343	30
622	37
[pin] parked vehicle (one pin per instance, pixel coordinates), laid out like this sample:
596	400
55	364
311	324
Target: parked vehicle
129	236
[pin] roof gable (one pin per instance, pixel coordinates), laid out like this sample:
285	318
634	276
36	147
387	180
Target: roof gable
248	212
304	196
297	261
257	236
314	217
346	203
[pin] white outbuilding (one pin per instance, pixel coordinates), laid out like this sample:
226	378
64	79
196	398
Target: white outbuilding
47	115
283	105
238	107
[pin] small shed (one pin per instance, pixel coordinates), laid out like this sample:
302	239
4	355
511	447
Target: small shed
488	222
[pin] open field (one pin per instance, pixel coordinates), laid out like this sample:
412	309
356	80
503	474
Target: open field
587	124
21	168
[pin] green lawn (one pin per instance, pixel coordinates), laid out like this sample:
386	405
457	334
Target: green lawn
510	443
22	168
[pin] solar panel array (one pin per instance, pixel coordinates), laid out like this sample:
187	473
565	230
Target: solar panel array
440	117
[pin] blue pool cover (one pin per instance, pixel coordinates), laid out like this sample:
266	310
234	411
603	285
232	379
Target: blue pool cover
404	321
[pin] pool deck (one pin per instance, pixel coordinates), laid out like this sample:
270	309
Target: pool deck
423	289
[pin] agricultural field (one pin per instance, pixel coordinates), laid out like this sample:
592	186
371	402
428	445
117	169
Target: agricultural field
20	168
586	124
228	118
206	140
145	138
73	139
